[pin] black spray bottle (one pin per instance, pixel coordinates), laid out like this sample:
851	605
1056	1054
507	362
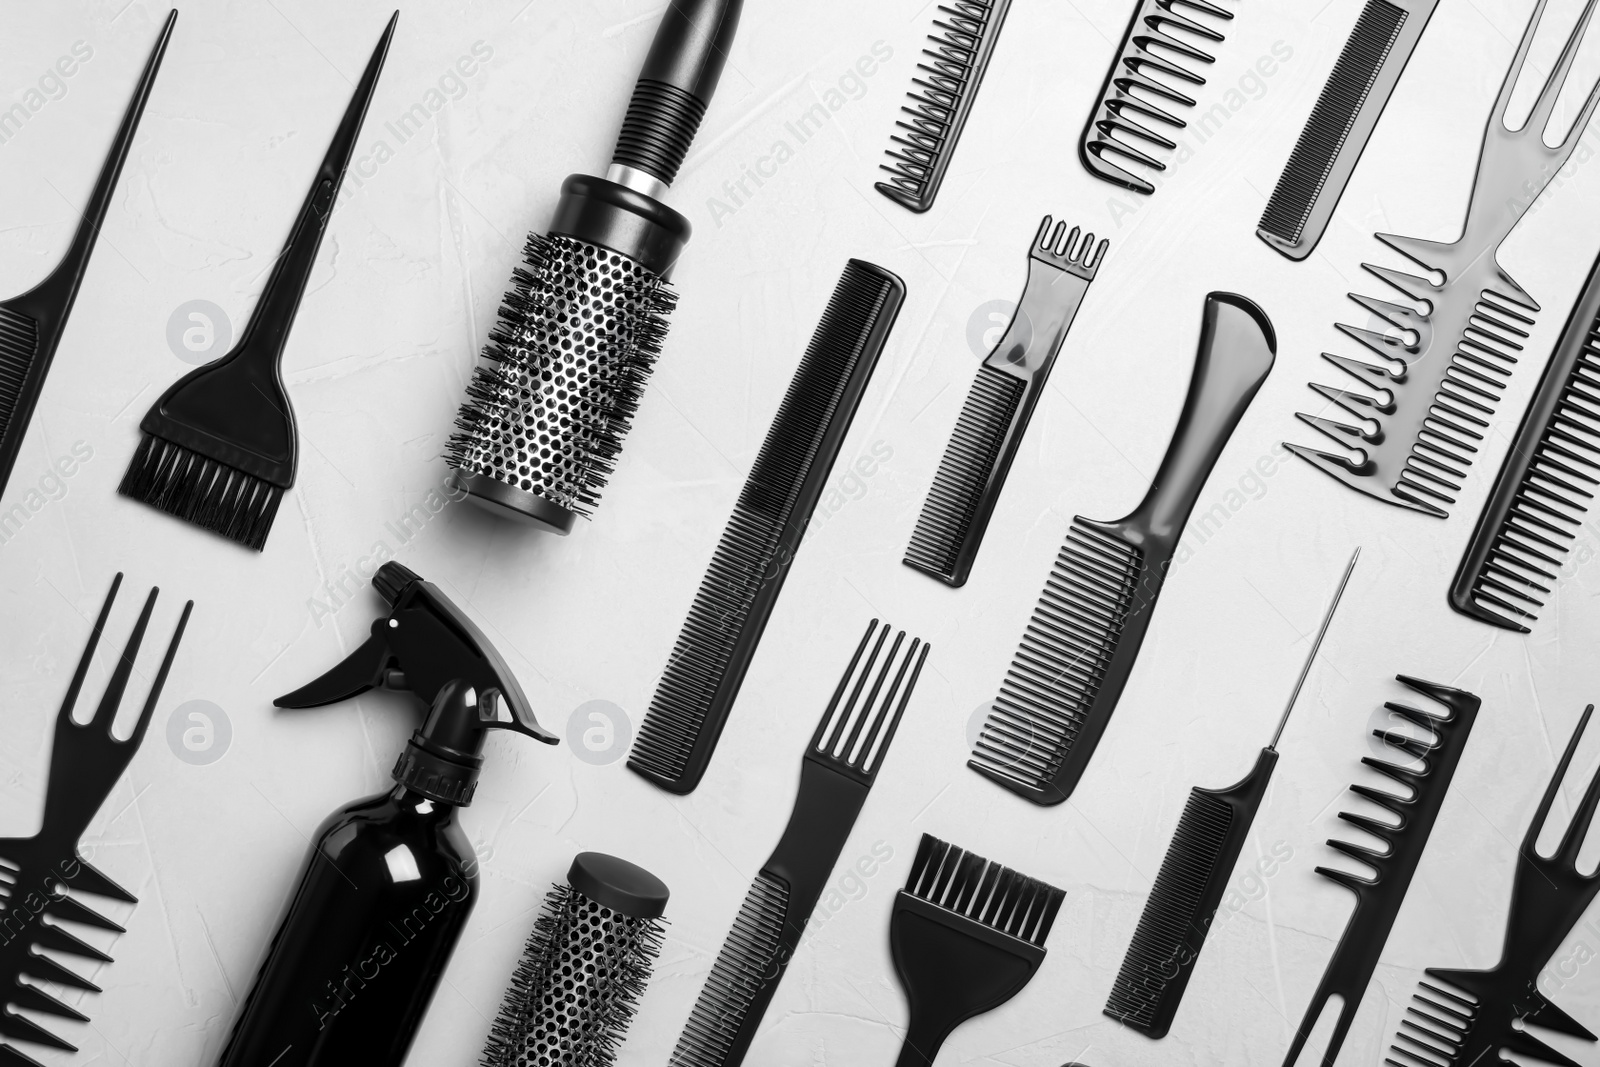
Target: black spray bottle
391	879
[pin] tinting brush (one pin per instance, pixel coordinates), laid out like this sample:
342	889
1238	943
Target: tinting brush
31	324
219	446
1193	877
580	330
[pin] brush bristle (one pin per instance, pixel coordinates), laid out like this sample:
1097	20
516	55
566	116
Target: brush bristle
1000	898
578	336
203	491
19	347
576	987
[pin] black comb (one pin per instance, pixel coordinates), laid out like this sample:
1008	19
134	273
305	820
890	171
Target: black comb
836	774
1084	637
1193	876
1146	78
31	324
730	610
943	97
1331	144
995	416
1378	897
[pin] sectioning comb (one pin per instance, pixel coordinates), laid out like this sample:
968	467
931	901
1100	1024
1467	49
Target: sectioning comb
1542	494
1379	896
1472	1016
995	416
85	762
943	98
730	610
1443	368
31	325
1121	122
835	776
1081	643
1193	876
966	935
1336	133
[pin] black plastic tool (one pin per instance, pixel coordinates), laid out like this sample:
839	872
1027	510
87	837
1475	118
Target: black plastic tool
1081	643
966	935
989	431
31	325
836	775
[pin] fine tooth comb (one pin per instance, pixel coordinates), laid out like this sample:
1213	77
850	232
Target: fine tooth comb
837	773
31	324
1081	643
995	416
702	679
1378	897
1193	877
1472	1016
1543	491
1445	367
966	935
1336	133
1133	98
943	96
85	762
219	446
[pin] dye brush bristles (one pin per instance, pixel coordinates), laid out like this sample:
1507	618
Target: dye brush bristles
1193	877
31	325
219	447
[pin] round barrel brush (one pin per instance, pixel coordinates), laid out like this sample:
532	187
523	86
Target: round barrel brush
582	325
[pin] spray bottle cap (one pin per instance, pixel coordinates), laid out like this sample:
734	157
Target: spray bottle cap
428	645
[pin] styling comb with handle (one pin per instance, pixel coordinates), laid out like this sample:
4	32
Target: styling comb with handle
1443	369
1471	1017
1379	896
995	416
1193	876
1331	144
835	776
31	324
1081	643
697	690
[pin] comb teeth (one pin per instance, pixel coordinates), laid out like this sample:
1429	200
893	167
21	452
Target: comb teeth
1000	898
19	346
1434	1029
854	733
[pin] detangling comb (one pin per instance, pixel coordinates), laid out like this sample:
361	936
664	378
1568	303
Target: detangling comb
1083	639
1378	896
1471	1017
989	430
1147	78
44	873
1444	367
1193	876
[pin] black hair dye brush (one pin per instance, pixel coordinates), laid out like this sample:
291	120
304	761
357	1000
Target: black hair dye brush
219	447
31	324
581	328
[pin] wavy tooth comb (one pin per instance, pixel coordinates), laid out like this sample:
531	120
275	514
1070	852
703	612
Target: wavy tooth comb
942	97
989	431
85	762
1134	99
1472	1016
1378	897
1444	368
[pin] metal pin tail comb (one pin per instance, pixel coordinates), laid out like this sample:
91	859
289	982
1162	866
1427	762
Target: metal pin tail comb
994	418
1443	368
44	873
836	775
31	325
1085	633
702	679
219	447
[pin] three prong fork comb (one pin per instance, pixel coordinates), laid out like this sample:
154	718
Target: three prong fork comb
1443	368
839	768
85	762
1471	1016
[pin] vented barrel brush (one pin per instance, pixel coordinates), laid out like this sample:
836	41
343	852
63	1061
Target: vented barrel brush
581	328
